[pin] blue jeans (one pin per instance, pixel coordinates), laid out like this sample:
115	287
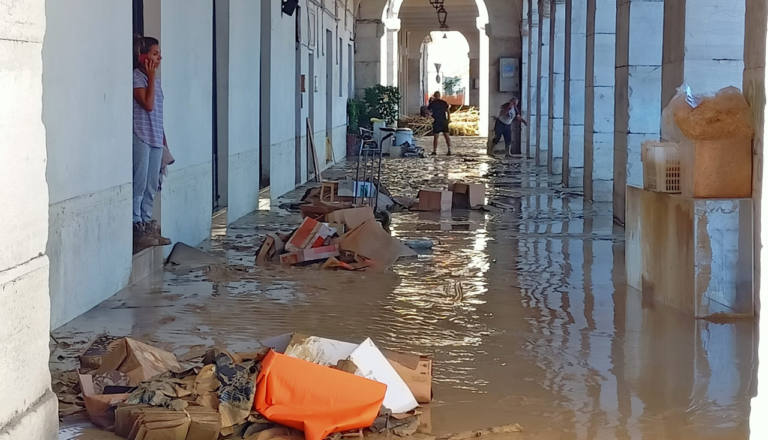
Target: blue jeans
146	178
504	130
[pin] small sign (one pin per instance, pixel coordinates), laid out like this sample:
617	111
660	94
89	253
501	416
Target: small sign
509	74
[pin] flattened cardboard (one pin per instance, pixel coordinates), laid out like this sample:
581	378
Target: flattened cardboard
165	430
138	360
351	218
205	424
370	240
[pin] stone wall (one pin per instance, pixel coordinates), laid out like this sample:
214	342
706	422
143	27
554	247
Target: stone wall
28	408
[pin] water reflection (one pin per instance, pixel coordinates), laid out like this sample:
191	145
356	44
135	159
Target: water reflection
525	311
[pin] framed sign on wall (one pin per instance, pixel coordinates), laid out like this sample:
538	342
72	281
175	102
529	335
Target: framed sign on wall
509	74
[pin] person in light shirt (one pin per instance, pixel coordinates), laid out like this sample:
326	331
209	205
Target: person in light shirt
149	142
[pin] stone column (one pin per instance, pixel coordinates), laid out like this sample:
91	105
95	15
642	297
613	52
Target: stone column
525	73
573	116
600	77
639	28
755	91
542	85
473	88
703	45
391	69
414	96
530	109
367	54
28	410
474	80
556	86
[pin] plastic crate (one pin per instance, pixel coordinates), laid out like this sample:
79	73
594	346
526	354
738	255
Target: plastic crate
661	166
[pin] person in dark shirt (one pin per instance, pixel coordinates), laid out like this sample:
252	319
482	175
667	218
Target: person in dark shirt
442	119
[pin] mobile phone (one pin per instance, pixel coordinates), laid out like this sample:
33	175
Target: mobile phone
143	58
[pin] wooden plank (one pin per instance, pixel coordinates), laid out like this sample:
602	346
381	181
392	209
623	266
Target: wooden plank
315	159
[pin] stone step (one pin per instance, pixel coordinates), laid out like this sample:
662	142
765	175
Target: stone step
145	263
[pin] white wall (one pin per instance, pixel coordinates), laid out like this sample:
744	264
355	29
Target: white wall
28	407
282	78
186	42
282	88
244	95
87	111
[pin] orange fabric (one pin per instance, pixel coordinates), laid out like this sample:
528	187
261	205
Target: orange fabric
315	399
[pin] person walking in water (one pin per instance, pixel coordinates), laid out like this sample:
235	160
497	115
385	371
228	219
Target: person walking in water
148	143
509	114
442	119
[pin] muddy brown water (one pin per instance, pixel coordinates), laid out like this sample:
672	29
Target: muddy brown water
525	310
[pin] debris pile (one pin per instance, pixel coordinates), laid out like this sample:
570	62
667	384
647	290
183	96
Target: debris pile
290	383
464	122
336	235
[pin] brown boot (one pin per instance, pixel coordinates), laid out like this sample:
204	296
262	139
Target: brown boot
141	240
152	228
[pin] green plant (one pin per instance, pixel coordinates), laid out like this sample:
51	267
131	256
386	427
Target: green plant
451	84
382	102
354	108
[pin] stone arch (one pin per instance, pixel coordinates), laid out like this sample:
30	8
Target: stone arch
394	67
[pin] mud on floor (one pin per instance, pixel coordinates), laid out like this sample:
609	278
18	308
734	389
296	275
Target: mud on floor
544	333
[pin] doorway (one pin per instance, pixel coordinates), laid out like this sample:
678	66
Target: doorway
311	98
264	119
220	116
299	96
329	42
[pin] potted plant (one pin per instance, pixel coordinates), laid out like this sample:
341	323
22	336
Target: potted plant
383	102
354	110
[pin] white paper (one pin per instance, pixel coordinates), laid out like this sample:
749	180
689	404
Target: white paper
372	364
321	351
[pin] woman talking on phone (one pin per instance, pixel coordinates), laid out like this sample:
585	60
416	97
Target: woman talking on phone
148	142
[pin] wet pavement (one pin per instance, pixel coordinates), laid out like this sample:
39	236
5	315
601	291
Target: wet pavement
525	310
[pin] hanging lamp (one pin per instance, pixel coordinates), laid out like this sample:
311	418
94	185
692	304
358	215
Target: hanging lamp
442	16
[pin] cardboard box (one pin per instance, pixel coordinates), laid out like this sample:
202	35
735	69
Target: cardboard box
467	195
322	233
415	370
370	240
290	258
309	255
320	253
100	407
303	236
138	360
270	248
716	169
340	228
434	200
93	356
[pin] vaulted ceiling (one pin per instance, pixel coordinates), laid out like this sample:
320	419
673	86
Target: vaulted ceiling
419	14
